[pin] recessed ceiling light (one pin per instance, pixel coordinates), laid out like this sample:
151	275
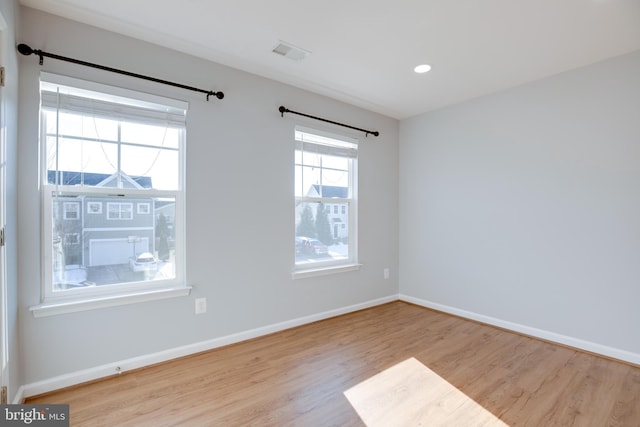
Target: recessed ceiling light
420	69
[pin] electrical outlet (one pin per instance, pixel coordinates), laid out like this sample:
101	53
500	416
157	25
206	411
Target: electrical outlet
201	305
386	273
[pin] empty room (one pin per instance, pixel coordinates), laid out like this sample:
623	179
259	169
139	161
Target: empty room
336	213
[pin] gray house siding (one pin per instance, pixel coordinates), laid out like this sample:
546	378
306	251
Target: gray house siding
116	229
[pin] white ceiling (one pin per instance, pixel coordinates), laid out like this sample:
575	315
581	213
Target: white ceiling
364	51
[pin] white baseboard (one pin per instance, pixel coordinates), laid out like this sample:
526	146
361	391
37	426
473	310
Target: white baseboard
110	369
577	343
19	397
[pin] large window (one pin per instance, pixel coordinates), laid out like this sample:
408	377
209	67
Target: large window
325	194
113	191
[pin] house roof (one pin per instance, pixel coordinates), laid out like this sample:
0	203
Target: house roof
92	179
331	191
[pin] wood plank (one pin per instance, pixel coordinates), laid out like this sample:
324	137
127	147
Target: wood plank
425	366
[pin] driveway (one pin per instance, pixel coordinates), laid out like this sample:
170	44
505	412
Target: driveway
112	274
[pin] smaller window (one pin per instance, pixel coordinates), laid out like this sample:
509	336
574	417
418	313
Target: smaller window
94	207
144	208
325	184
119	211
71	210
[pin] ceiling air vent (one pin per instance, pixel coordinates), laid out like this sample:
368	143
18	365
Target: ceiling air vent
290	51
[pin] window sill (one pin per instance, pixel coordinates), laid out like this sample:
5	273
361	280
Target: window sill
63	307
323	271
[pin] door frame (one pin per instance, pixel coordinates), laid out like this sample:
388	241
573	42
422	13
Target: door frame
4	332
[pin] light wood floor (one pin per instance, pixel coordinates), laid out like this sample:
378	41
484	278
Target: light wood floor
396	364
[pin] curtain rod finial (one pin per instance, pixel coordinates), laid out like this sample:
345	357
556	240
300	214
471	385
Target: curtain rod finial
25	49
218	95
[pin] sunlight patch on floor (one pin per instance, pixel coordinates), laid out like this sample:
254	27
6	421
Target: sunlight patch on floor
410	394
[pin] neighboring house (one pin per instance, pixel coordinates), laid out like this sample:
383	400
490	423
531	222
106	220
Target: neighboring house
337	213
103	230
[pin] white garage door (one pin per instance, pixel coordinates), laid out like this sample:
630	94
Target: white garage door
114	251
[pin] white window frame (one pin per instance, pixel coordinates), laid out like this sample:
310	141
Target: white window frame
119	211
331	266
70	300
92	210
143	208
71	207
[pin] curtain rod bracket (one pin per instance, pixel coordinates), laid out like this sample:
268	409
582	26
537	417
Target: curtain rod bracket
283	110
27	50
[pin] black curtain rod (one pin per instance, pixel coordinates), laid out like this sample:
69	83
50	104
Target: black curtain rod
26	50
366	132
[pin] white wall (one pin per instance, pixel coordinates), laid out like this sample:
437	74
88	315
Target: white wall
9	122
523	207
240	206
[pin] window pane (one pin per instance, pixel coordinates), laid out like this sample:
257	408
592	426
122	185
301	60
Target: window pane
82	126
126	211
332	178
86	152
80	162
71	210
311	159
158	136
156	166
310	181
334	162
114	246
322	175
320	235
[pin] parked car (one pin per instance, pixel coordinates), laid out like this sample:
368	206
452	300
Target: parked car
306	245
144	261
